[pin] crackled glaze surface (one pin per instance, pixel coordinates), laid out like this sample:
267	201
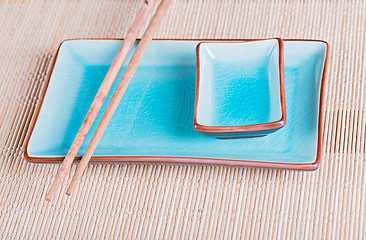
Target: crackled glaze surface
239	83
155	116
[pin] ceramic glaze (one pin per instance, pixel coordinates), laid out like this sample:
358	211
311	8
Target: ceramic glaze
239	83
155	116
240	88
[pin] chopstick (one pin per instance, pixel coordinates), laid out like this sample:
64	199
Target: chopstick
101	95
120	90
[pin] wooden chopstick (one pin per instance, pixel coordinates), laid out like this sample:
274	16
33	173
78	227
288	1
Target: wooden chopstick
120	90
101	95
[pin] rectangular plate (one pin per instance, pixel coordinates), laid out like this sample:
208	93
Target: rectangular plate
154	121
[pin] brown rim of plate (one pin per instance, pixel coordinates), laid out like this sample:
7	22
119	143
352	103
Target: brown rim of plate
244	128
187	160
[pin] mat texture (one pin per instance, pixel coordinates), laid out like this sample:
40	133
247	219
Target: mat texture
189	202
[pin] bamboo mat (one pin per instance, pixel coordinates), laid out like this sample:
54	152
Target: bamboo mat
190	202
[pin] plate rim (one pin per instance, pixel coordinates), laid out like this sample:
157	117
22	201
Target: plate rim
186	160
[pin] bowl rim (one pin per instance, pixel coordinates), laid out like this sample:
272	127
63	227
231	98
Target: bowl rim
243	128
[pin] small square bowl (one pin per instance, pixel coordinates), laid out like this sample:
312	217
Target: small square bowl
240	90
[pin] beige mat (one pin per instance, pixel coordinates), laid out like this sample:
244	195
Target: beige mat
174	202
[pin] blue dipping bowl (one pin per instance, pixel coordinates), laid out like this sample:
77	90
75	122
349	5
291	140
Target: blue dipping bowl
239	88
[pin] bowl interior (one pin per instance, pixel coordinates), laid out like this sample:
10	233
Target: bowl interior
239	83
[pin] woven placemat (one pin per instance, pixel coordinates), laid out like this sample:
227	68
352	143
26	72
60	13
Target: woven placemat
174	202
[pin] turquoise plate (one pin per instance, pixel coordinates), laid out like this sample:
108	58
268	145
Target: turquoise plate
154	121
